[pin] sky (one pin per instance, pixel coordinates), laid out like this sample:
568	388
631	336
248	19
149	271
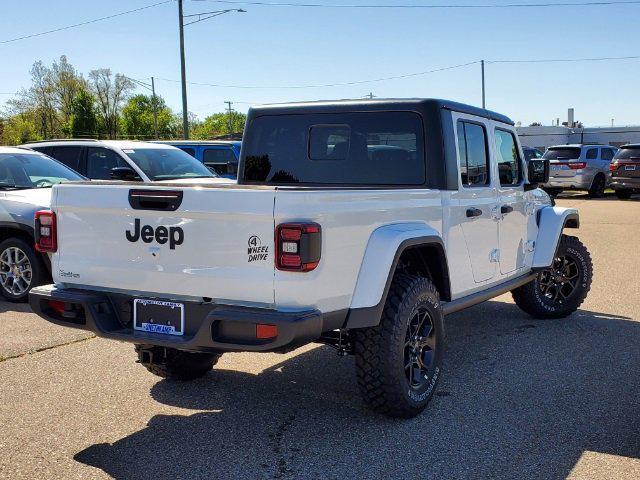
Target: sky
271	46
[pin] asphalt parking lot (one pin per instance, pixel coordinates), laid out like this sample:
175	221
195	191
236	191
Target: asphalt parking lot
520	398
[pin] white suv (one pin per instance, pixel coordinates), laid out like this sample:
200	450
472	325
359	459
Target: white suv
579	167
126	160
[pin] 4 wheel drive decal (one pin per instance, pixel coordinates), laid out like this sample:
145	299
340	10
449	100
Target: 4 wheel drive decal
256	251
162	234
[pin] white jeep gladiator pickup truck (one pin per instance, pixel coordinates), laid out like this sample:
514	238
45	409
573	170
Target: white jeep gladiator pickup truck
359	224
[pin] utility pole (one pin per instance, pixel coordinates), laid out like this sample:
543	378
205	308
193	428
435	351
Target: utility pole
230	121
484	93
185	111
370	96
155	107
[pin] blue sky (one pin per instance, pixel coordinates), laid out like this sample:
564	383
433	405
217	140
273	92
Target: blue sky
300	46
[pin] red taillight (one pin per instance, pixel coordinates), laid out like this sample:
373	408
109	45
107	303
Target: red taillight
577	165
613	166
45	232
298	246
57	306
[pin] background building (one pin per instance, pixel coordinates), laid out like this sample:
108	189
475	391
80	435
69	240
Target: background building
542	137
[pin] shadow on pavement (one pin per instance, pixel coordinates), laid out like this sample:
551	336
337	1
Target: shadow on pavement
14	307
520	398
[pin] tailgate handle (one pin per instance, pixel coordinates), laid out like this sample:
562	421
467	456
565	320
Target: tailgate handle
163	200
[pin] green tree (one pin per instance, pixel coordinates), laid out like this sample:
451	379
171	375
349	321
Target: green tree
110	92
84	119
19	129
217	125
138	118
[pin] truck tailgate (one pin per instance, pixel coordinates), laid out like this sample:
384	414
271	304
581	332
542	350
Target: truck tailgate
218	243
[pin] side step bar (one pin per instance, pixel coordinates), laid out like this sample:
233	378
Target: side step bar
483	296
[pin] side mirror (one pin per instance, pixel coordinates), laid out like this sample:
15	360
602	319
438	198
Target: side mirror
537	172
124	173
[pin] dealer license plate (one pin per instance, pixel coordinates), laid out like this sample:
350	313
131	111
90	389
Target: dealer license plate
157	316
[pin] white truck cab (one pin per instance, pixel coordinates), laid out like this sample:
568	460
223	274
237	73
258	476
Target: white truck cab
355	223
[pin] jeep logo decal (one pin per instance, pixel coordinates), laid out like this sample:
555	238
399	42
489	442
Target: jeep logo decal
162	234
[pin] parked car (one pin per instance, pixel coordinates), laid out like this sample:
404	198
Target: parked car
26	178
531	153
126	160
625	171
220	155
579	167
417	209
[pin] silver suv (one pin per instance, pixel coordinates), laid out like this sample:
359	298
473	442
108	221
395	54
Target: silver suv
579	167
26	178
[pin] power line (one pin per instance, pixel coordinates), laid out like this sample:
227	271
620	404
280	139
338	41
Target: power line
87	22
326	85
409	75
566	60
431	7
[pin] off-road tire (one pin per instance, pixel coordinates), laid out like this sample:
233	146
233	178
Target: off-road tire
624	194
531	298
380	351
598	186
38	270
178	364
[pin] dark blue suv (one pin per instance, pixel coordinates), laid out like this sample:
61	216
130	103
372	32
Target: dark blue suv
219	155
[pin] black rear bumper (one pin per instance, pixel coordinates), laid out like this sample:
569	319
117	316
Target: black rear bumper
625	183
208	327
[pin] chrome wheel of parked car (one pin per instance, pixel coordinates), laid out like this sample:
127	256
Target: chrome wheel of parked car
15	271
21	269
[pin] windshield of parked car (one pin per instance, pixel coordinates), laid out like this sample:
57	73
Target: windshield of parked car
562	153
30	170
167	163
627	153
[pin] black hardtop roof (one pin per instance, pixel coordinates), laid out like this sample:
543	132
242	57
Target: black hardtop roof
378	104
631	145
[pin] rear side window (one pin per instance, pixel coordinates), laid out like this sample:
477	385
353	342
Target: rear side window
607	154
70	156
472	152
562	153
592	154
376	148
508	158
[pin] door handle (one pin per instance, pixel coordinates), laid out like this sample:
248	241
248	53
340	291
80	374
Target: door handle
474	212
506	209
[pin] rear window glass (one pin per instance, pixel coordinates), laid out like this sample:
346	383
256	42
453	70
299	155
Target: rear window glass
628	153
219	155
563	153
378	148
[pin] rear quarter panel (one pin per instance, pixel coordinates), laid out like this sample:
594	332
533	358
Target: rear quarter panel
348	218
